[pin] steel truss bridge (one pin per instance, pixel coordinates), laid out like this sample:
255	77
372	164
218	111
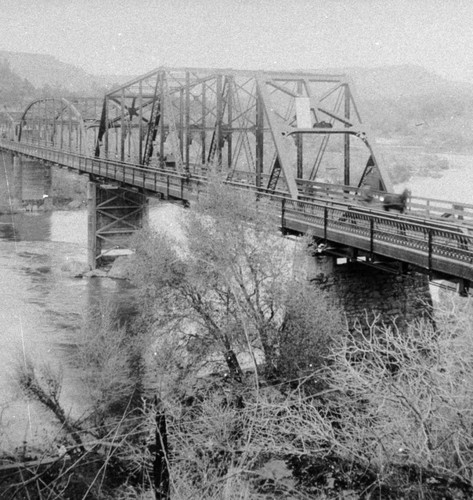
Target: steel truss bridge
296	139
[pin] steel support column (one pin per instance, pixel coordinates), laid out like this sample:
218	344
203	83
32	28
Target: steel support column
346	139
259	133
114	215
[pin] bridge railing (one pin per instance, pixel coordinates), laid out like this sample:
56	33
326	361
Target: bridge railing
420	206
429	244
311	190
433	245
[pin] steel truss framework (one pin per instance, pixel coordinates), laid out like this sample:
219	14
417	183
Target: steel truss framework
260	128
267	129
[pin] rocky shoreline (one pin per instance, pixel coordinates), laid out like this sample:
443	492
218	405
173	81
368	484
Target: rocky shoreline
42	205
118	269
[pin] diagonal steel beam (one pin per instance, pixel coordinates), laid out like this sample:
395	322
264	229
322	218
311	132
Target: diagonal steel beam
279	131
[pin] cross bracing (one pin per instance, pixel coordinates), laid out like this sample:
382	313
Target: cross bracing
263	128
266	129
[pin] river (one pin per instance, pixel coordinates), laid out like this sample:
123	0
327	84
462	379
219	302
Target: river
42	306
456	183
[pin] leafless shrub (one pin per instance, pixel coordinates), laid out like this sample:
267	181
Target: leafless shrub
405	399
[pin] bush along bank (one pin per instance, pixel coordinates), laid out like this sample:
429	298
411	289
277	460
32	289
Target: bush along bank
235	380
383	416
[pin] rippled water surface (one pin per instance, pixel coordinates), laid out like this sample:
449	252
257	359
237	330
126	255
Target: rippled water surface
41	310
42	306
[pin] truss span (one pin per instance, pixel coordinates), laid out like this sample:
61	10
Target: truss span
269	130
265	129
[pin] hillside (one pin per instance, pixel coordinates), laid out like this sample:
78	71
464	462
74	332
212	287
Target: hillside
14	90
404	103
401	81
414	106
43	70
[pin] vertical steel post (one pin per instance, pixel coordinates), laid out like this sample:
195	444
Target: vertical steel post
162	137
259	134
45	122
122	125
371	238
325	222
129	156
299	143
92	224
187	121
283	213
181	122
140	124
70	128
106	139
430	248
79	133
218	123
54	124
203	131
346	166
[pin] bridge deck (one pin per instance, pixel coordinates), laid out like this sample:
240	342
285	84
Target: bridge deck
444	248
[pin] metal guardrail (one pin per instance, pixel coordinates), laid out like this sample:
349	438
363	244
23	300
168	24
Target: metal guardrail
437	248
433	245
422	207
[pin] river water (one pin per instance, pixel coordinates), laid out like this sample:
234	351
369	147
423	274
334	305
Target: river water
456	184
42	306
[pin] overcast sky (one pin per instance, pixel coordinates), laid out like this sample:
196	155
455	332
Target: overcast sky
135	36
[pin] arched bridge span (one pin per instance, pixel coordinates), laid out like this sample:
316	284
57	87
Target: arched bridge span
66	124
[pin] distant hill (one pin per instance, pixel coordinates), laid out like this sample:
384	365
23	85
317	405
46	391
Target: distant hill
418	105
45	70
401	81
404	102
14	91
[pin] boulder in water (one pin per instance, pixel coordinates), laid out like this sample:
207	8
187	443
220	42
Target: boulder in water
75	268
96	273
74	204
120	268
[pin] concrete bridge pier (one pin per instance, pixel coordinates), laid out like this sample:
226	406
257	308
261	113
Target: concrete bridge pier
362	291
114	215
17	191
48	187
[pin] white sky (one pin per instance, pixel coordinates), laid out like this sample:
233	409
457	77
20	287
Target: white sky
135	36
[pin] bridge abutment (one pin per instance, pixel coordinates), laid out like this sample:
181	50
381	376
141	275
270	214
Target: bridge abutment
114	215
364	292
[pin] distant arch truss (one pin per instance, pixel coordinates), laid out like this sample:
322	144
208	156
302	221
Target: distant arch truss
61	123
